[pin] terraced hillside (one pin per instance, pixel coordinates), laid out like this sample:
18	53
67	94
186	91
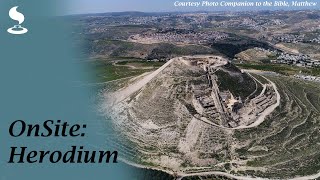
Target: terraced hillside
287	143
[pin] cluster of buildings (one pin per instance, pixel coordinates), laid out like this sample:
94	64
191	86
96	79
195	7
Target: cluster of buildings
135	20
289	38
315	40
143	20
293	38
300	60
273	22
257	23
252	24
266	50
308	78
176	36
247	23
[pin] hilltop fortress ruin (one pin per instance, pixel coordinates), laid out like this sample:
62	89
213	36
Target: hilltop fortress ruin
223	107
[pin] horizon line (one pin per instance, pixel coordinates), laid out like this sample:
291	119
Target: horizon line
199	11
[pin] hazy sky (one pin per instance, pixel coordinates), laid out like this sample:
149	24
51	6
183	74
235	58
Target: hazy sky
98	6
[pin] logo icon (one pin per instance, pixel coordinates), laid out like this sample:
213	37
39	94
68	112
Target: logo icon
15	15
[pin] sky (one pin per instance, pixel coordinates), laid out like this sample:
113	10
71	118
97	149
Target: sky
101	6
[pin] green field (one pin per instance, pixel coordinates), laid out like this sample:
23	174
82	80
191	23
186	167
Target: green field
282	69
105	71
140	64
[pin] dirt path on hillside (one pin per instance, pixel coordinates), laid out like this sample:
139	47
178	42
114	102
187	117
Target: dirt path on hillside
132	88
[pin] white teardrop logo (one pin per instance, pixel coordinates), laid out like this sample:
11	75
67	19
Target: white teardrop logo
15	15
